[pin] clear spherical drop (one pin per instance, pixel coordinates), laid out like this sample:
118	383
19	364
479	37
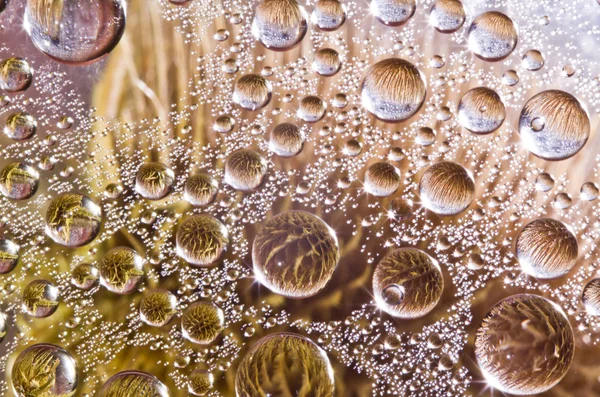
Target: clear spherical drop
294	254
133	384
446	188
200	382
286	140
544	182
20	126
311	109
481	110
154	181
44	370
510	78
328	15
425	136
546	249
202	323
447	16
589	191
200	189
18	181
393	90
393	12
553	125
73	31
381	179
252	92
73	220
591	297
533	60
245	170
15	74
84	276
40	298
3	326
492	36
327	62
158	308
279	24
524	345
9	255
224	124
285	361
401	209
121	270
201	240
407	283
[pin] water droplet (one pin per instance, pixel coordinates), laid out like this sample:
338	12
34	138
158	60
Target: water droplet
200	189
18	181
40	298
201	240
20	126
295	254
252	92
15	74
9	255
525	345
279	24
481	111
133	383
327	62
311	109
154	181
286	140
393	12
381	179
84	276
121	270
446	188
492	36
158	308
245	170
202	323
73	220
329	15
447	16
200	382
532	60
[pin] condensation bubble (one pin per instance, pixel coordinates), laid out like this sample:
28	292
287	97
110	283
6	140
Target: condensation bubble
425	136
591	297
224	124
15	74
475	261
285	361
279	24
525	345
158	308
3	326
121	270
327	62
40	298
401	209
393	90
18	181
65	122
381	179
20	126
252	92
84	276
75	32
340	101
200	382
562	201
328	15
201	240
447	16
589	191
568	71
553	125
133	383
202	323
532	60
9	255
407	283
295	254
221	35
154	181
437	62
44	370
510	78
230	66
446	188
352	148
73	220
481	111
200	189
245	170
113	190
546	248
311	109
544	182
393	12
492	36
286	140
396	154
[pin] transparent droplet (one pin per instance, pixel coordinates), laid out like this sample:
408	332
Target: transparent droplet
15	74
154	181
381	179
75	32
200	382
481	111
9	255
393	12
252	92
524	345
279	24
311	109
84	276
20	126
492	36
40	298
447	16
589	191
329	15
133	383
121	270
327	62
446	188
73	220
201	240
284	258
286	140
18	181
158	308
200	189
533	60
245	170
202	323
